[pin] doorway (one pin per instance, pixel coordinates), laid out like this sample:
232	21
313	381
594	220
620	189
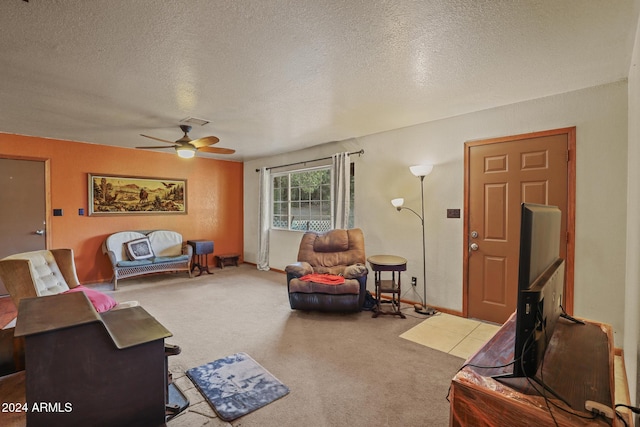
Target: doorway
500	174
23	195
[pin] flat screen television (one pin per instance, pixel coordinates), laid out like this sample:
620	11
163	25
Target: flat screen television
540	286
539	308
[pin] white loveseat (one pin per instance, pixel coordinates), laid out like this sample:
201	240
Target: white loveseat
135	253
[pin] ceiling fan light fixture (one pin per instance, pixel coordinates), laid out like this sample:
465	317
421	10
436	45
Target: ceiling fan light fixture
186	147
186	152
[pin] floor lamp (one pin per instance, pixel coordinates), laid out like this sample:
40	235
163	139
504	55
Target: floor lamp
420	171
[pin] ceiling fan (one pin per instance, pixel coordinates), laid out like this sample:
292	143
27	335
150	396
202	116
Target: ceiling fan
187	147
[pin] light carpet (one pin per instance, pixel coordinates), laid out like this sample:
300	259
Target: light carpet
342	369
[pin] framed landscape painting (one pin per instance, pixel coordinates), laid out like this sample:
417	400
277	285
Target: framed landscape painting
121	195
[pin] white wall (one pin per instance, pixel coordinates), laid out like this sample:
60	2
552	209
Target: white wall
600	116
632	290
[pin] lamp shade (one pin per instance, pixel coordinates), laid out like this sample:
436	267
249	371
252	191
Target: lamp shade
397	202
186	152
421	170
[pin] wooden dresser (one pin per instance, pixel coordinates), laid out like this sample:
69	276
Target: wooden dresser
85	368
578	366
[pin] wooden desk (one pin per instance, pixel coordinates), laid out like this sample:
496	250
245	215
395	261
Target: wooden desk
578	365
92	369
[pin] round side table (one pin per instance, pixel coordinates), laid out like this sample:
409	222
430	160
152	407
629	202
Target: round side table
395	265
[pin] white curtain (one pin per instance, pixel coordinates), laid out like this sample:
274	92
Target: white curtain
341	190
264	220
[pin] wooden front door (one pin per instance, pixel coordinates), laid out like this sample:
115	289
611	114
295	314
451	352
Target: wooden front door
500	175
23	213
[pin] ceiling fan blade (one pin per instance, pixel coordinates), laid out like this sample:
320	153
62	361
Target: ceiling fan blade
205	141
158	139
216	150
155	148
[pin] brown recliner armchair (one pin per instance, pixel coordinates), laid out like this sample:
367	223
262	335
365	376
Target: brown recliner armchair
336	252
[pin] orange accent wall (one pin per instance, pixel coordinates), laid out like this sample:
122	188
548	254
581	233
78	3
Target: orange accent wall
214	197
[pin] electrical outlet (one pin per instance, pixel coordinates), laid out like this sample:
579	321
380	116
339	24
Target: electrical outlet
453	213
414	281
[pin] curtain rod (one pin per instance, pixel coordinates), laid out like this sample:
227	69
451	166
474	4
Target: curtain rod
359	153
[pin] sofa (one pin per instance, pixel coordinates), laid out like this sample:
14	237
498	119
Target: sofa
136	253
330	274
44	273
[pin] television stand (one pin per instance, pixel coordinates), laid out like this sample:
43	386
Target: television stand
478	399
537	381
535	378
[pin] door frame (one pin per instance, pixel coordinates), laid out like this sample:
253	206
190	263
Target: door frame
571	209
47	192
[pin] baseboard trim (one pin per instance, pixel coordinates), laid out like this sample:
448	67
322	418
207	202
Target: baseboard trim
270	268
410	302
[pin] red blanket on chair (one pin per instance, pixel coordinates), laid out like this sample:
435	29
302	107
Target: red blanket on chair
326	279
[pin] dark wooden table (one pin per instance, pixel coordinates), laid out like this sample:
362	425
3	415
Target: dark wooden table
96	369
201	248
395	265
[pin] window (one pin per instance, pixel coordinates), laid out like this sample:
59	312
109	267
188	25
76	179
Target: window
302	199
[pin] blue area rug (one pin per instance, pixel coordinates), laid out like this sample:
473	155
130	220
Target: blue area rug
236	385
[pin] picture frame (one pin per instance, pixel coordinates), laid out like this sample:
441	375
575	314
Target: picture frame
115	195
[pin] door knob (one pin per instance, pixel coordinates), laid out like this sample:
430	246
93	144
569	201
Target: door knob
474	246
39	232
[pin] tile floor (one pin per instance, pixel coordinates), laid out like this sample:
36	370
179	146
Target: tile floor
452	334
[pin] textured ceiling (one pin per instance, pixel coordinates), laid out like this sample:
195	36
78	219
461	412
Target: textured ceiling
278	75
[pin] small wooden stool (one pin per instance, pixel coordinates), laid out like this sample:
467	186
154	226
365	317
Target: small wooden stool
227	259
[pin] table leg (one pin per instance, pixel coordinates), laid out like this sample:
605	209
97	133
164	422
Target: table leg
199	263
377	309
395	296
